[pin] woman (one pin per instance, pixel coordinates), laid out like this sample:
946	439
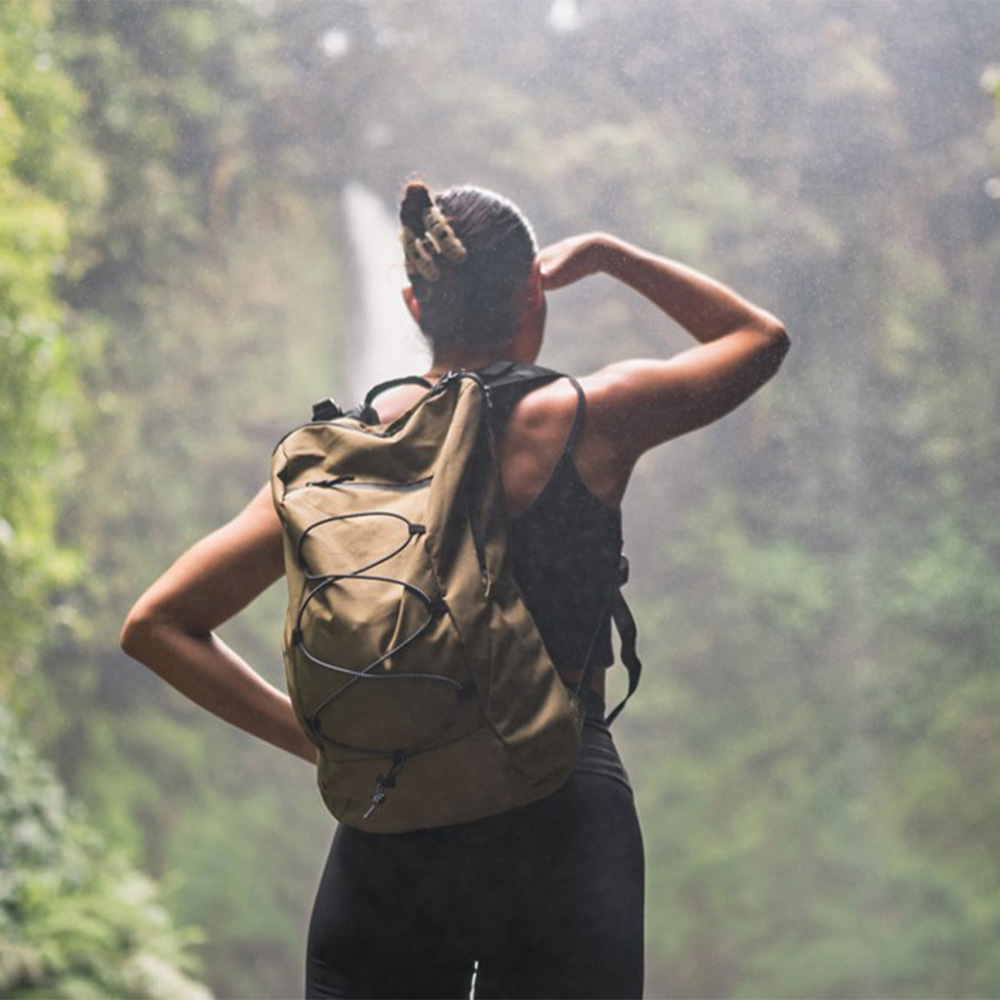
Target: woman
545	900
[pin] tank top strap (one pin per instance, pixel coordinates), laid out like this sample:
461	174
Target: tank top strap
581	412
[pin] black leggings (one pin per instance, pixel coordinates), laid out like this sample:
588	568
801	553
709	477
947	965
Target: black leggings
543	901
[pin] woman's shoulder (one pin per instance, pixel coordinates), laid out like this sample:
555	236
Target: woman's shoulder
554	421
545	410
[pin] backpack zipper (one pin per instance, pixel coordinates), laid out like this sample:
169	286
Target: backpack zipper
364	484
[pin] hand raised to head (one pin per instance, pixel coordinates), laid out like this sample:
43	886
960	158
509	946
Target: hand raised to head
570	259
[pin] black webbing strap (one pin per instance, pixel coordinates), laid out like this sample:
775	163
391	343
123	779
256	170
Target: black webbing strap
627	633
501	373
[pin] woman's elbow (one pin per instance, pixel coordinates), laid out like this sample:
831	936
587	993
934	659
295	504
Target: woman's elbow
772	349
782	343
772	329
777	340
139	631
130	638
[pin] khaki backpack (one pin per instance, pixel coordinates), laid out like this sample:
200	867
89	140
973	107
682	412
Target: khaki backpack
411	659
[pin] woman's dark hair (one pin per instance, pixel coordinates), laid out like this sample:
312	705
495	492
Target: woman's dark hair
474	303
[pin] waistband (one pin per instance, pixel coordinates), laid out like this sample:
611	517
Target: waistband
598	753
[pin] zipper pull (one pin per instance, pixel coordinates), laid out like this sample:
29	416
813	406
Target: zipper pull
384	782
377	799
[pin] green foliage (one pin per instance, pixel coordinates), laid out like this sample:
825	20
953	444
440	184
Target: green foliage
206	266
42	181
76	920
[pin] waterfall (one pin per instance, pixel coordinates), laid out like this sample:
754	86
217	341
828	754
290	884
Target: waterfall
387	342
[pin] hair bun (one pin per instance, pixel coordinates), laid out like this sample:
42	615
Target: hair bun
416	201
426	234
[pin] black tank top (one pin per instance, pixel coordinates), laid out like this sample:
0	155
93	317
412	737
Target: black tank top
566	546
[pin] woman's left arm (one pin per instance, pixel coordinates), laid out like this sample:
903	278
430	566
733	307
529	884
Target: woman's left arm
170	628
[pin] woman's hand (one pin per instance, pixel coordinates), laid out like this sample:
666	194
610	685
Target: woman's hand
571	259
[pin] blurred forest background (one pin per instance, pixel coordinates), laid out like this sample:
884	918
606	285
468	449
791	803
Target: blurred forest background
816	746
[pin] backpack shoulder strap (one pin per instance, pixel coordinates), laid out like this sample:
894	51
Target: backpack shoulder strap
501	373
509	381
514	380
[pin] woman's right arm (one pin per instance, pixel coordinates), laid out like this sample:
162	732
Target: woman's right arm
171	627
640	403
